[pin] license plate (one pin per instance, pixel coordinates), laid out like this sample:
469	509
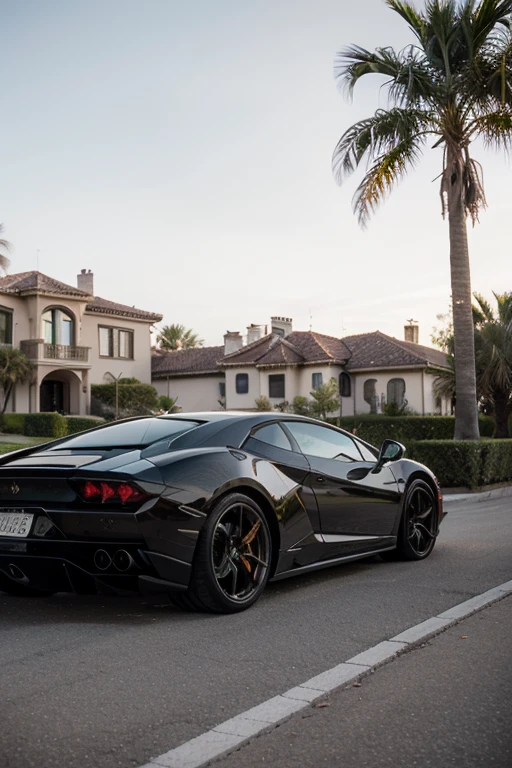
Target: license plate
15	523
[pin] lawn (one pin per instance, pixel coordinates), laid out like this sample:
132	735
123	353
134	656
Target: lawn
7	447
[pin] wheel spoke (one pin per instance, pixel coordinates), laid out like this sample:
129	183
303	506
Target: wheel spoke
251	556
252	533
425	530
234	571
425	514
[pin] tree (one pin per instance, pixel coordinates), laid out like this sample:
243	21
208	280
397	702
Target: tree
168	404
455	85
176	336
4	246
326	399
15	368
493	355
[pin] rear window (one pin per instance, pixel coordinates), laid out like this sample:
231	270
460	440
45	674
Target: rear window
139	434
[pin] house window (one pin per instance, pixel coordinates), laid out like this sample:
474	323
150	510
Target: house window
116	342
5	326
396	392
276	385
242	383
345	385
57	327
316	380
222	389
370	394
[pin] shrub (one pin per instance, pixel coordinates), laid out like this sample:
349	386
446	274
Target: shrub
12	423
262	403
134	399
45	425
168	404
374	429
81	423
301	406
468	463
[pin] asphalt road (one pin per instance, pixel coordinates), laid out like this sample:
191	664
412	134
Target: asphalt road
111	682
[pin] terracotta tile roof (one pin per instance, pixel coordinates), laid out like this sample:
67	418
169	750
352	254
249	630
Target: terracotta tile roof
105	307
35	282
26	283
183	362
376	350
299	347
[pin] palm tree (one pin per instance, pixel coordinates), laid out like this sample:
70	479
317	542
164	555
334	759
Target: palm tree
4	246
14	368
173	337
455	85
493	355
493	345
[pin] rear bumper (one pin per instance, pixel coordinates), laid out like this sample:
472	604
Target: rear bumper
73	567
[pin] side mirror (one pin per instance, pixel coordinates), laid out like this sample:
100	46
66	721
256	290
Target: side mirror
390	450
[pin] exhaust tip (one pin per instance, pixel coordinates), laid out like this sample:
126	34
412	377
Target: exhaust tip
17	573
102	560
123	561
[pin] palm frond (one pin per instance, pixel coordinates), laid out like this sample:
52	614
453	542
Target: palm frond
409	79
410	14
384	175
483	313
495	129
486	17
378	135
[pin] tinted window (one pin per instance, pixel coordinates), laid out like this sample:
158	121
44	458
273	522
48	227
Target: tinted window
242	383
316	380
368	453
139	433
345	385
272	434
323	442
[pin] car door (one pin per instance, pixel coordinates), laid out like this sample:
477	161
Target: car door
271	442
352	499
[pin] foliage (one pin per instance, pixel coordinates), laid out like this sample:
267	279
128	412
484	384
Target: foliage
326	399
468	463
45	425
176	336
374	429
4	246
15	368
393	409
493	359
12	423
452	86
301	406
262	403
168	404
81	423
283	407
134	399
129	380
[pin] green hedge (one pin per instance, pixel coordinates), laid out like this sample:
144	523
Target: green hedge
374	429
81	423
134	399
45	425
13	423
467	463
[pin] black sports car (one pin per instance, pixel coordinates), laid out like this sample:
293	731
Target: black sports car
205	508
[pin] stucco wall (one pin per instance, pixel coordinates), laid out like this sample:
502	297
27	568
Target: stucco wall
194	393
139	367
234	401
418	390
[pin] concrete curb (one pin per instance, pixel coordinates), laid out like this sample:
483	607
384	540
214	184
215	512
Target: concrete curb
494	493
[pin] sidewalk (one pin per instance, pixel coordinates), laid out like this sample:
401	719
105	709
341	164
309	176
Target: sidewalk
445	703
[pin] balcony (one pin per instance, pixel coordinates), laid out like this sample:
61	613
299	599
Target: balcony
39	350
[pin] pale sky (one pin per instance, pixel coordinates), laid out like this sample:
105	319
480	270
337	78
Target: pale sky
182	152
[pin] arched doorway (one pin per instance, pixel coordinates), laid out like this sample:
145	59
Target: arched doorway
60	391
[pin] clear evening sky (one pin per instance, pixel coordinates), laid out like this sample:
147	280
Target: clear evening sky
181	150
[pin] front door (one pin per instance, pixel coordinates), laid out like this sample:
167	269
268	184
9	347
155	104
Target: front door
352	500
51	395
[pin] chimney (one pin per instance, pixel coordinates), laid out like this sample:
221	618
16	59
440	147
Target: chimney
232	342
281	326
254	332
411	331
85	281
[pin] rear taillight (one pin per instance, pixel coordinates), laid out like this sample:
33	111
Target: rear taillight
105	492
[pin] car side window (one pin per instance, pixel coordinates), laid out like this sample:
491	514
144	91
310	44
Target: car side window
323	442
272	434
368	454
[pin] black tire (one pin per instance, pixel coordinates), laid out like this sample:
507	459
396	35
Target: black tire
419	524
232	560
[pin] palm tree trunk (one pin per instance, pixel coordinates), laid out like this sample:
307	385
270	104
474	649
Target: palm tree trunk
466	411
7	395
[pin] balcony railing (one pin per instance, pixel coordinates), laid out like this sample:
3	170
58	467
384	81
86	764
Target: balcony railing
38	349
